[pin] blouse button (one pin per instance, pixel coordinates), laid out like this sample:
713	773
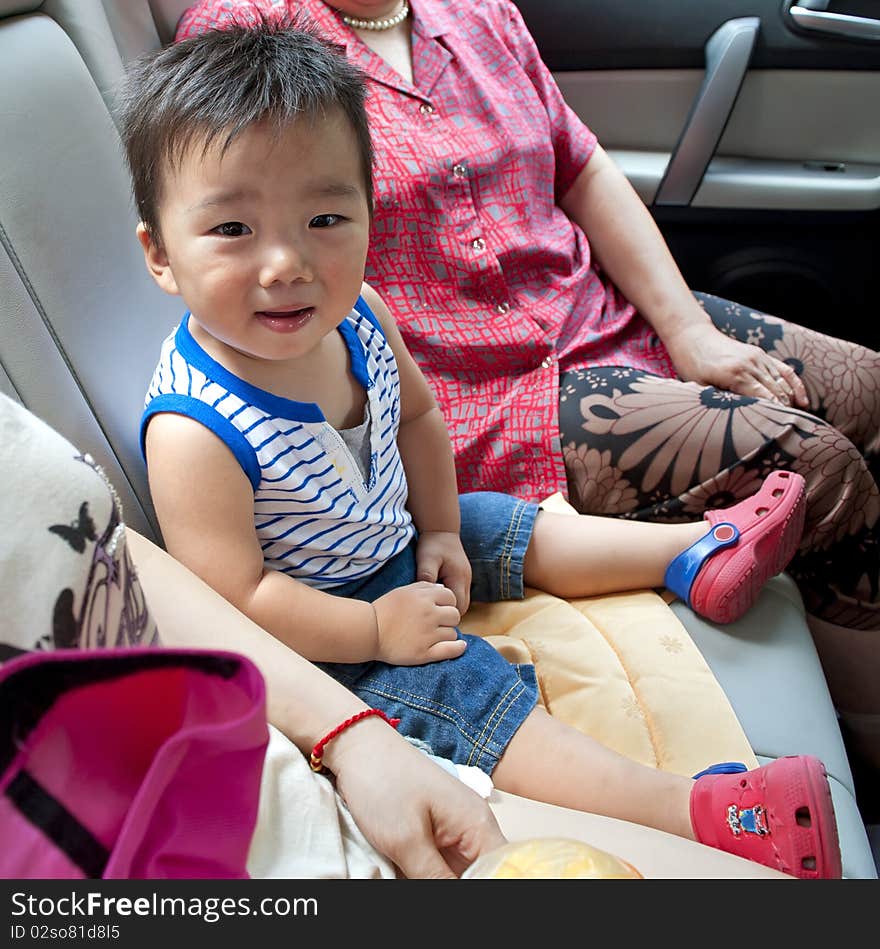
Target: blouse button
478	244
426	109
459	171
546	362
502	308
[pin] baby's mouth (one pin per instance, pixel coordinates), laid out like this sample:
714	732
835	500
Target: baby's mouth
286	320
285	313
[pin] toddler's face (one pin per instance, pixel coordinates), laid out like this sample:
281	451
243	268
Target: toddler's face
266	243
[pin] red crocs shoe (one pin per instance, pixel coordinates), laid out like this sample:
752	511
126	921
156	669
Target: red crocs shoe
720	575
780	815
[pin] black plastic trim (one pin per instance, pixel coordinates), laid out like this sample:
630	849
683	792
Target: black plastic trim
671	34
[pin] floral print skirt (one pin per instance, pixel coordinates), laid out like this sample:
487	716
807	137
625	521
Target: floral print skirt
645	447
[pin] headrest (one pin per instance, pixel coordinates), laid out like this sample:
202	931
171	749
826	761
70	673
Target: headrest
16	7
166	13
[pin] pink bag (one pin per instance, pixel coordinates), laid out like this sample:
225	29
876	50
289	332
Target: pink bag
134	763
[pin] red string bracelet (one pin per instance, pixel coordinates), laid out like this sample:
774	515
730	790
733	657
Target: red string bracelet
318	751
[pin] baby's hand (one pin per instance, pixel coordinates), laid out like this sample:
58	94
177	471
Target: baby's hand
416	624
440	558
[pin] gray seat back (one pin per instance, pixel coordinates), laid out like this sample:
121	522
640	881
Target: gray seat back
81	321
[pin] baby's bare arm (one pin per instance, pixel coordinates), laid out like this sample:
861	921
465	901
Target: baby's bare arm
205	506
423	440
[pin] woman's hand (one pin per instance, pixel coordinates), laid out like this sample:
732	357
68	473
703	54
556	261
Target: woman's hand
440	558
701	353
423	819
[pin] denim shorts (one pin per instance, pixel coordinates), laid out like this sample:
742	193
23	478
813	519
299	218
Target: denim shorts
467	709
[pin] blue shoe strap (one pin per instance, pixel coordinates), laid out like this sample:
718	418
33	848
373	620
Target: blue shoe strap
725	767
683	570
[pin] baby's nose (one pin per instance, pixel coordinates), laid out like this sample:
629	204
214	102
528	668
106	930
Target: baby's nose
284	263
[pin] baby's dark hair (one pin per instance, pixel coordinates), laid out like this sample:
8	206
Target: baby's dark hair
216	85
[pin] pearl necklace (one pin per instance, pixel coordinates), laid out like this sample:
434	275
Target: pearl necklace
380	23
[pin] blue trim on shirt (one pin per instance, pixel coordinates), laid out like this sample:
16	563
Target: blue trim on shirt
357	353
213	421
273	404
364	309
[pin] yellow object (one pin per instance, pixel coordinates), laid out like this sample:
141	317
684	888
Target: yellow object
550	858
622	669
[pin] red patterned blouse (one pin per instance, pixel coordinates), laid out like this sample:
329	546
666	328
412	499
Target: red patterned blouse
491	283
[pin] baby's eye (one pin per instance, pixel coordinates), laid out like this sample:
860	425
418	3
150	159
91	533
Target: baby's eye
232	229
325	220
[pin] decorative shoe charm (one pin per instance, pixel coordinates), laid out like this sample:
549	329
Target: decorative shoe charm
751	820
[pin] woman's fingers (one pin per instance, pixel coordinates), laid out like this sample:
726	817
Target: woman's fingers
787	383
775	385
764	390
775	380
795	384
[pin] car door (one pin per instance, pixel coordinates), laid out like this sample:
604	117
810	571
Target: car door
751	128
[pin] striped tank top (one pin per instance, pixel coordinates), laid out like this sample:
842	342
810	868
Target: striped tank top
317	517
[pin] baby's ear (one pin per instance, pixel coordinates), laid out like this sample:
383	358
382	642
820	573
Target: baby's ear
157	260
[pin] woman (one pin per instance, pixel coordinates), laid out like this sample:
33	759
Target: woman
562	342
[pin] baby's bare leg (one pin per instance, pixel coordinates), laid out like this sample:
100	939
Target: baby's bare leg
586	555
547	760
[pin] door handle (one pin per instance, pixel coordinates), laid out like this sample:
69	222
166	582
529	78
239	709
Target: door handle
728	52
835	24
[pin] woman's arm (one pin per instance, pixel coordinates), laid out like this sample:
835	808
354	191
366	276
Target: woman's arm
429	823
630	248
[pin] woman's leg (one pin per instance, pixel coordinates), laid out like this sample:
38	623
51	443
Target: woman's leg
842	379
649	448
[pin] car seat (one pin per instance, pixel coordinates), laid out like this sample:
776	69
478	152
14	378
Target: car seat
81	323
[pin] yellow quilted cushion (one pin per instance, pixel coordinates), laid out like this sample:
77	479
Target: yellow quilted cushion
623	669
